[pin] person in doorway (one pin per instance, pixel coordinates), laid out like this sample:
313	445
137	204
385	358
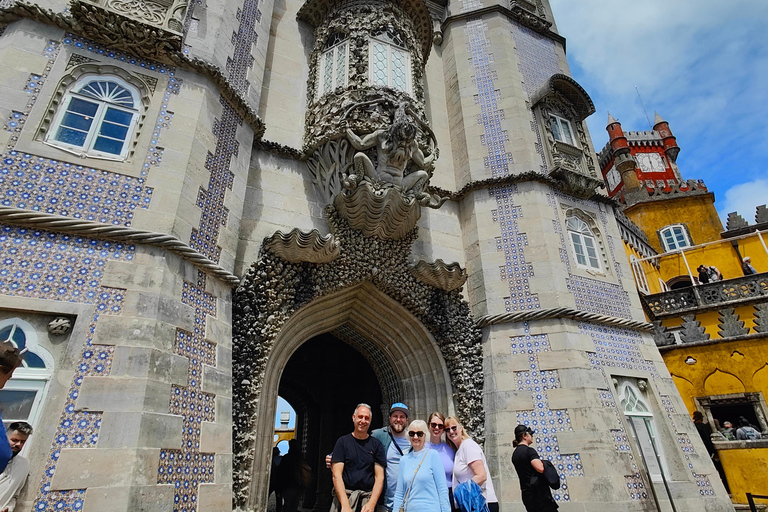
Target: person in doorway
276	458
469	463
289	482
746	266
358	463
10	359
396	445
421	484
536	497
436	424
14	477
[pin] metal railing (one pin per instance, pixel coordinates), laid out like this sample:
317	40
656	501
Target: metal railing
751	500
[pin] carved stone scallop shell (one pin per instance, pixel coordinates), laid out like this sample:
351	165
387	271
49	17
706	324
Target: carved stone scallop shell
380	212
299	246
445	276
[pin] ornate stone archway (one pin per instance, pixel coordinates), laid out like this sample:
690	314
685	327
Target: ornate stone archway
410	350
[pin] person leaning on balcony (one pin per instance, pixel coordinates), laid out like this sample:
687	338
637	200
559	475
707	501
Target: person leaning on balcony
709	274
746	266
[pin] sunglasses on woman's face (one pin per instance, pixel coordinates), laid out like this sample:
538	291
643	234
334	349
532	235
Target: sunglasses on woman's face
417	433
437	425
452	429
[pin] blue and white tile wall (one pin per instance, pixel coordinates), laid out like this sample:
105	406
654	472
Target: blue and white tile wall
545	421
52	266
516	271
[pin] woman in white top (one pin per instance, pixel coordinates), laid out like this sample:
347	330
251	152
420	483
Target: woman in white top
469	462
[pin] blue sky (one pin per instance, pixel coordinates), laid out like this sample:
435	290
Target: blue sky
701	64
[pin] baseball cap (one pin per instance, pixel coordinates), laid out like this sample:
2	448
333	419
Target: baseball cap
523	428
398	406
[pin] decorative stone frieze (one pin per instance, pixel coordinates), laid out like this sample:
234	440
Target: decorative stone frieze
147	27
692	330
730	325
273	289
349	13
661	335
445	276
761	317
298	246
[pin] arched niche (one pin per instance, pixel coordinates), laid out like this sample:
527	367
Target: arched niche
723	383
407	345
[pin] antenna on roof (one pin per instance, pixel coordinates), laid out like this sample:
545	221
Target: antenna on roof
642	105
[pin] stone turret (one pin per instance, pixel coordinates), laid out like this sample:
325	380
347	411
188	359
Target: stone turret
623	162
670	142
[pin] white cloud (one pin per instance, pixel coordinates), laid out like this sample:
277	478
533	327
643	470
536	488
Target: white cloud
743	198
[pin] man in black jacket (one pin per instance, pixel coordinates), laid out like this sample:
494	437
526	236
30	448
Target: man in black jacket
536	494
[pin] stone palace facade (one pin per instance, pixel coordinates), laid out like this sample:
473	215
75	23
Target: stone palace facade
205	205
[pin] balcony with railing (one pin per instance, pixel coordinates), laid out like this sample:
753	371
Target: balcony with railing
726	293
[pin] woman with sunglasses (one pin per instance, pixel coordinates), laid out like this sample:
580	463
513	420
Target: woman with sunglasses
421	484
469	463
436	425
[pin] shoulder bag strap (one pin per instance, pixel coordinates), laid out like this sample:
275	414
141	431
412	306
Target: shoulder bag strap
394	441
405	500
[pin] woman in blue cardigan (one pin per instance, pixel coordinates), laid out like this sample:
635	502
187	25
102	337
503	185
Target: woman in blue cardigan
421	484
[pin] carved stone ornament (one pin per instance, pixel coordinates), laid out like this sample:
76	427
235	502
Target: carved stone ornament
379	181
143	27
378	210
299	246
355	24
445	276
318	12
59	326
575	183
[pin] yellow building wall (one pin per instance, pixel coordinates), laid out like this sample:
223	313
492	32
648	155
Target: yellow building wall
697	212
743	472
722	368
649	269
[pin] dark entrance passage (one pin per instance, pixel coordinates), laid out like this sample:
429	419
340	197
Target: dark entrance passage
323	381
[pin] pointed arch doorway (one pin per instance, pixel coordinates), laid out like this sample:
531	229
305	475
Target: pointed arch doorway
392	353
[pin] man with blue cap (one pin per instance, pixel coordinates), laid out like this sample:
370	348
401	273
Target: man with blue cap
396	444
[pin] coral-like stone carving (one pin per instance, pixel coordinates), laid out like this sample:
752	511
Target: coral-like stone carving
445	276
661	336
299	246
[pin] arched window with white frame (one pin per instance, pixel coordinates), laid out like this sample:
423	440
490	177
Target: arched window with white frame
334	64
23	396
96	117
643	431
583	243
390	61
637	269
674	237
